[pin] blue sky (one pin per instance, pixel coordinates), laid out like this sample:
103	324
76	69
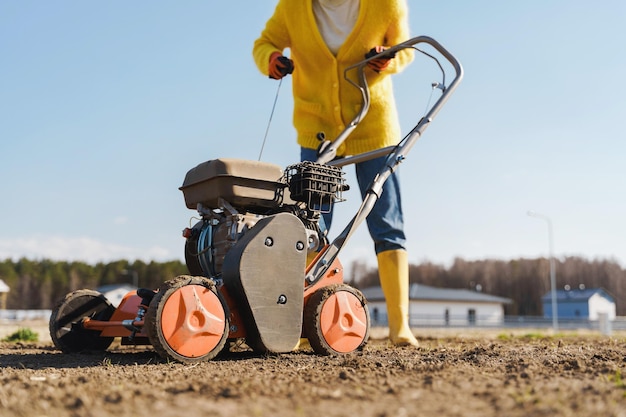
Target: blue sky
104	106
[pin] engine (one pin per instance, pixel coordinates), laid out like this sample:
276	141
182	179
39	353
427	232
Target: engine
232	195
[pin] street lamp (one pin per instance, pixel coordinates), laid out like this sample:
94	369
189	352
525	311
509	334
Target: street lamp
555	318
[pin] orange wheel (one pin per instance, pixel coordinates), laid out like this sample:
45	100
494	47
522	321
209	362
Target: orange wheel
187	320
336	320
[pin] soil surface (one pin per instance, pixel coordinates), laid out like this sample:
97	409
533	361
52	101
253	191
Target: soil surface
451	374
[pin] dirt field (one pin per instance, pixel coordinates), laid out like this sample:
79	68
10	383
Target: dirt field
451	374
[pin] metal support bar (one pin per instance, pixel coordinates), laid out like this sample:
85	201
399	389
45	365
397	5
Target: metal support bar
396	153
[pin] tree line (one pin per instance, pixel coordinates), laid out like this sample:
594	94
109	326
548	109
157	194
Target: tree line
40	284
524	281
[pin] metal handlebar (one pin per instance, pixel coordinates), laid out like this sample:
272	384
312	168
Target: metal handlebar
396	153
329	149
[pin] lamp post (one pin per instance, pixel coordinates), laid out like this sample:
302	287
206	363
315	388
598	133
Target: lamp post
555	318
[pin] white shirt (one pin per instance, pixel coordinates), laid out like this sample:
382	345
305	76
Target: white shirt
335	20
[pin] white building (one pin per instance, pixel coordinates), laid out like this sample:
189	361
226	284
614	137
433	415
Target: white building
4	292
430	306
116	292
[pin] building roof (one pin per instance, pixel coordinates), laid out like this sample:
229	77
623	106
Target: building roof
4	287
419	292
576	295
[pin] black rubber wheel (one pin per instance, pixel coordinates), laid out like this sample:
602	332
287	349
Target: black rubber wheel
336	320
191	256
191	251
187	320
66	330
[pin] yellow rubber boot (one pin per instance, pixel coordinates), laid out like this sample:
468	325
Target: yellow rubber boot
303	343
310	256
393	271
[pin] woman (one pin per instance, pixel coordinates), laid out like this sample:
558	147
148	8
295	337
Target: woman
325	37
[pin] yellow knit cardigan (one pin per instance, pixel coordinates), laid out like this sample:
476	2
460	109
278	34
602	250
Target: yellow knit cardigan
323	100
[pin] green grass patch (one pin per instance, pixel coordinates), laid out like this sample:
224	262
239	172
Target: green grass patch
533	336
618	379
22	335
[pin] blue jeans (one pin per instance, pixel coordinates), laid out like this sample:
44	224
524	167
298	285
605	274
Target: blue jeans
385	222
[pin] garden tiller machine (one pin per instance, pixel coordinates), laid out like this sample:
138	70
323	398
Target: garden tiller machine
260	268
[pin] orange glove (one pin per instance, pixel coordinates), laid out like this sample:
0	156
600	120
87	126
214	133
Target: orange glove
379	64
279	66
